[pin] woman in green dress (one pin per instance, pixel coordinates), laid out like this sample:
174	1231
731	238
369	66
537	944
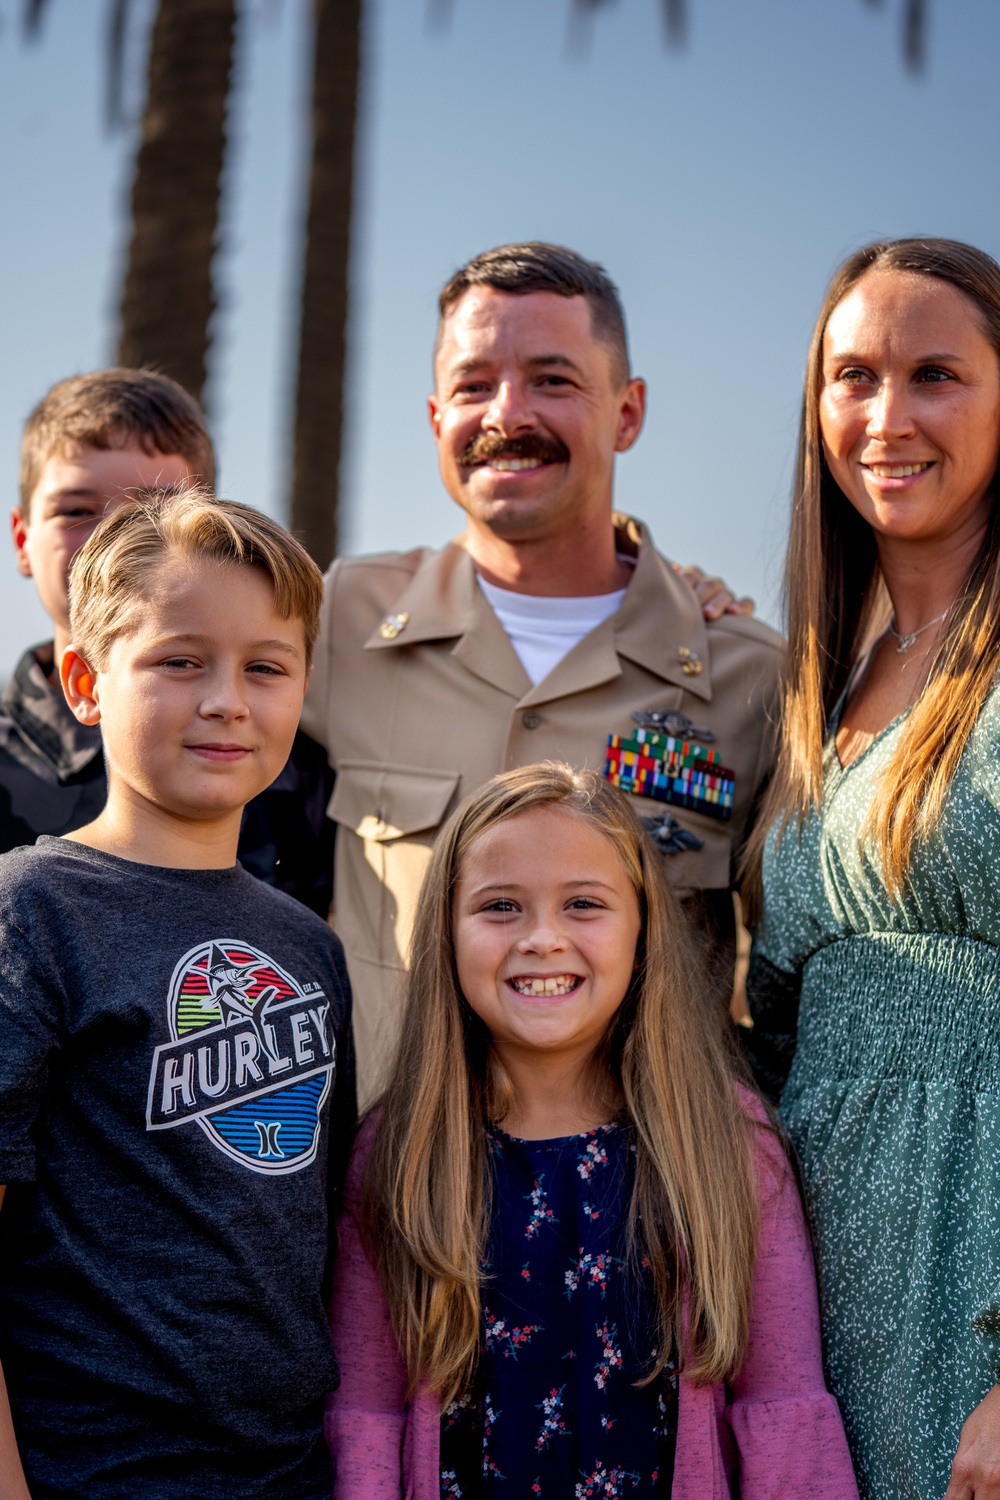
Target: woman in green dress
876	970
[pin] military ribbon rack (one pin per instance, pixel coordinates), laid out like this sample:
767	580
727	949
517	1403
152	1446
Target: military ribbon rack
649	764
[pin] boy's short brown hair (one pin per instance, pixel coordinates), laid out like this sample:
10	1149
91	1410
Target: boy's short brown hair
108	576
108	408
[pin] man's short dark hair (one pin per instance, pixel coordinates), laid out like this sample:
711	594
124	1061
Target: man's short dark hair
539	267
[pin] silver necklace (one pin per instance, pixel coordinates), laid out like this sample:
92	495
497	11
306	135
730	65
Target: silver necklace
906	641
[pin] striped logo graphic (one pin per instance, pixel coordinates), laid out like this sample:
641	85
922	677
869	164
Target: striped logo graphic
251	1057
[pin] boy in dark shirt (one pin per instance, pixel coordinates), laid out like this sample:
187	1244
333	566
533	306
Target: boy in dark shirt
88	446
176	1076
88	443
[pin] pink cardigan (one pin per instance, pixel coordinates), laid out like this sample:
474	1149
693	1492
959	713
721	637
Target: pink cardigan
774	1434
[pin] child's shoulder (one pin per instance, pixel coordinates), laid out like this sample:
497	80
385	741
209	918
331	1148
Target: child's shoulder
36	869
753	1105
770	1148
297	935
59	872
46	912
54	868
284	905
301	924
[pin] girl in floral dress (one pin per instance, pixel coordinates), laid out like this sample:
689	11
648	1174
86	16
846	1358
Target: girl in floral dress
573	1261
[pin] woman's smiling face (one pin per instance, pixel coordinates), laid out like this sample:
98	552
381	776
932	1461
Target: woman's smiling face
909	407
546	924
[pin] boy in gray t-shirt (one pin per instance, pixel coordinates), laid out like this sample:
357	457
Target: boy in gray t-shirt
176	1074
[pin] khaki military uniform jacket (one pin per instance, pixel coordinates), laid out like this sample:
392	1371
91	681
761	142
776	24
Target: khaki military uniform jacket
420	698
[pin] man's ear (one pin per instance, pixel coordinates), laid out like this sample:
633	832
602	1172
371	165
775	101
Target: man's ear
631	414
19	531
79	684
434	414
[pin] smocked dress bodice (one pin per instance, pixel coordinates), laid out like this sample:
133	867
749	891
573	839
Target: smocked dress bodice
893	1102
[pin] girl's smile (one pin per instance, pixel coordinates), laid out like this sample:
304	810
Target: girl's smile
544	986
546	926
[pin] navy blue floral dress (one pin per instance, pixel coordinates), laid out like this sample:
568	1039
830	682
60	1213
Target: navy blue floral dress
568	1328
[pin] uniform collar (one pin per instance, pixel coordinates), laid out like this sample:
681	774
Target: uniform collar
42	718
659	626
438	602
443	601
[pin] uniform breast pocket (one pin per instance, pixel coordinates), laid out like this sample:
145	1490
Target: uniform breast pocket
387	817
384	803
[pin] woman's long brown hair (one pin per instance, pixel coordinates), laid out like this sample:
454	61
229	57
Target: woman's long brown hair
694	1210
835	595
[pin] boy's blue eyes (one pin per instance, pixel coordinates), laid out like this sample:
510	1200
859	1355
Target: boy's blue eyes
258	668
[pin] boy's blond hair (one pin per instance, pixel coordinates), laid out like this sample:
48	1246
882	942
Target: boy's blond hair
109	579
109	408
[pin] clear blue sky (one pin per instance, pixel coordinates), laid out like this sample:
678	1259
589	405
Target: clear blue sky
719	184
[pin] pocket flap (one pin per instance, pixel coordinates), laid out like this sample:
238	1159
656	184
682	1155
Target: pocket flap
389	802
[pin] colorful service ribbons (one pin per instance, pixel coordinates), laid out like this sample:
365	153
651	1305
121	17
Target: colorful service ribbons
649	764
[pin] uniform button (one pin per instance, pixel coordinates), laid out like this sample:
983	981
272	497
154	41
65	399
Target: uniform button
531	721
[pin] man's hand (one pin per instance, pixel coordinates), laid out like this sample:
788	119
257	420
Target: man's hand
714	596
975	1474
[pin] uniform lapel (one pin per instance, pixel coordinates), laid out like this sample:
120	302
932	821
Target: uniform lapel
485	649
442	602
591	662
660	626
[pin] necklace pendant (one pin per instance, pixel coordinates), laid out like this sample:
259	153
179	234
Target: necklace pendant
906	641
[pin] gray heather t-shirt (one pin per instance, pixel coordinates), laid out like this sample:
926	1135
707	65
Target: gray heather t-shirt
176	1105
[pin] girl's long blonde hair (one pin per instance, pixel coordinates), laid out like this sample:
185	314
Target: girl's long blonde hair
835	597
694	1211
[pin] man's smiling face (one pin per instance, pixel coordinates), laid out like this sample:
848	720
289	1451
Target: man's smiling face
529	412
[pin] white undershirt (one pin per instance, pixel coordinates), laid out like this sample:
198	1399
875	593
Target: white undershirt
542	629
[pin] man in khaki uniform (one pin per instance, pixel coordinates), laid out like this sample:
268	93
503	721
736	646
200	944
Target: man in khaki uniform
535	635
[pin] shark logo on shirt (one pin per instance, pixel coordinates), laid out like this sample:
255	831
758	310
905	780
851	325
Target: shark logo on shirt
231	990
251	1057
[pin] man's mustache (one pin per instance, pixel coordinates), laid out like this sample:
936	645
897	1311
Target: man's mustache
489	445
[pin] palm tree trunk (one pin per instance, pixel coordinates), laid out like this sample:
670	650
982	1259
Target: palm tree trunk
168	296
914	34
319	387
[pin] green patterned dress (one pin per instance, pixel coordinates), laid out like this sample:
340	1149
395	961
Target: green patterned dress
893	1103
